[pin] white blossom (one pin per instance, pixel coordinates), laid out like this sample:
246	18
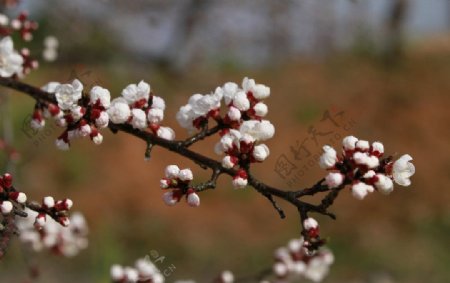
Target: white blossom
334	180
49	202
97	139
61	144
361	189
50	87
193	199
185	175
77	112
134	93
261	152
239	182
67	95
4	20
155	115
362	158
51	42
139	119
384	184
280	269
204	104
158	103
10	60
229	161
402	170
116	272
234	114
6	207
185	116
328	158
119	111
362	145
50	54
317	268
310	223
166	133
172	171
169	199
260	130
37	124
131	275
349	143
227	277
85	130
259	91
378	147
103	120
100	94
261	109
240	101
229	91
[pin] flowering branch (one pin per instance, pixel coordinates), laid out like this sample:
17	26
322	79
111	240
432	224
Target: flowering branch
333	184
242	129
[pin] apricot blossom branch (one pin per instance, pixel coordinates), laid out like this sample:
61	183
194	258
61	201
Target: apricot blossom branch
139	112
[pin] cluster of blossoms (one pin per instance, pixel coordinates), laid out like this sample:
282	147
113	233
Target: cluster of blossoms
361	165
40	233
84	116
143	271
178	184
243	127
14	63
21	24
45	225
9	195
58	210
304	257
141	109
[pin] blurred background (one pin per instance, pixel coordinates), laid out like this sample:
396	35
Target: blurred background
376	69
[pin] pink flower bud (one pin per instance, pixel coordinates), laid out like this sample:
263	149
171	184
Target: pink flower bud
280	269
349	143
6	207
172	171
64	204
164	183
229	161
362	145
48	202
334	180
360	190
18	197
185	175
64	221
192	198
240	179
7	180
172	197
377	149
40	220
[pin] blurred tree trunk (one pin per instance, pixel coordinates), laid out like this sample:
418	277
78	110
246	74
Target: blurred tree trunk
175	59
325	28
394	49
279	40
